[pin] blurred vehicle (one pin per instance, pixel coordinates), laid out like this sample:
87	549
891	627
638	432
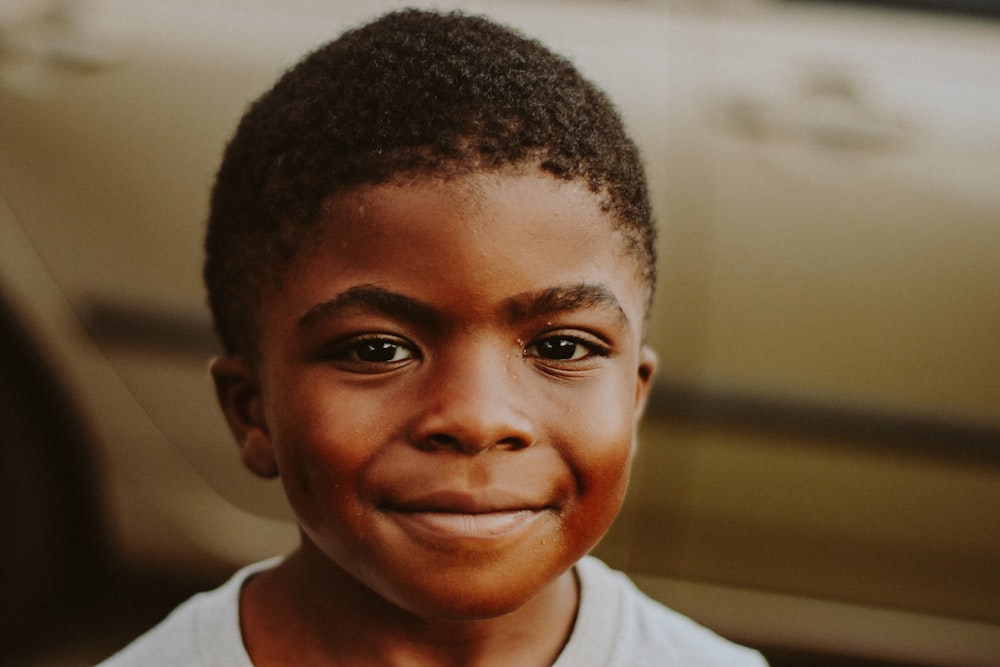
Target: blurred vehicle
820	466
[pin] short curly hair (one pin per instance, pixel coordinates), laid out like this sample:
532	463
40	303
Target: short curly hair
414	93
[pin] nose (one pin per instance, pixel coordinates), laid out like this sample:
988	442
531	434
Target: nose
473	403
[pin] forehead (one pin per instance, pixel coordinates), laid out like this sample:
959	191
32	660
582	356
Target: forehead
465	242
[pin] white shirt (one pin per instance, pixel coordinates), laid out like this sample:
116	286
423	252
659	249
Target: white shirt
616	626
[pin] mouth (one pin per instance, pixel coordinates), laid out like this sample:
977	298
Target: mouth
444	515
481	525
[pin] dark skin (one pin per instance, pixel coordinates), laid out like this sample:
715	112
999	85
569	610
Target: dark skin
367	630
448	386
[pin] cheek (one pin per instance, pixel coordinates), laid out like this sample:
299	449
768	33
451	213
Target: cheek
600	446
604	470
601	491
322	447
603	413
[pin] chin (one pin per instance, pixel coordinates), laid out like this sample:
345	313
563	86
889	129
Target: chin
468	606
465	599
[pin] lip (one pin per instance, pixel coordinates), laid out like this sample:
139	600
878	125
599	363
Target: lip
483	525
461	515
449	501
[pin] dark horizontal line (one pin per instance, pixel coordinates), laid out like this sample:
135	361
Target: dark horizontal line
953	437
982	9
148	327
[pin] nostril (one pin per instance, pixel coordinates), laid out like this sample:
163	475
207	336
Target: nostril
442	441
512	443
470	445
471	420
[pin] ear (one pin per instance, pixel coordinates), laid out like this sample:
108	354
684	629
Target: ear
238	391
644	379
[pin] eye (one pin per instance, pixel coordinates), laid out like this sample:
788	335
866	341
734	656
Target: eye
565	348
372	353
381	351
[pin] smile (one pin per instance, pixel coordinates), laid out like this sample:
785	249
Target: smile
450	515
464	525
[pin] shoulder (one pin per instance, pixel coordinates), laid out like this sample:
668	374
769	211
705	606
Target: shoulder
171	642
203	631
620	622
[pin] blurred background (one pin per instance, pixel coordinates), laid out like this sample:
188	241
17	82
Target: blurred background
819	471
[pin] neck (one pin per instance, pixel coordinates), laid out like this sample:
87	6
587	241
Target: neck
310	611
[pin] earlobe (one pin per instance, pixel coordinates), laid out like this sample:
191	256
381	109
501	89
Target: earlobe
238	392
644	379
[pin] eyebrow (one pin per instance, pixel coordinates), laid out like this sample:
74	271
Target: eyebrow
518	308
371	298
561	299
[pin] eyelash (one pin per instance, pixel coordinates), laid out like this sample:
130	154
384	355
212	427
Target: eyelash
349	353
593	348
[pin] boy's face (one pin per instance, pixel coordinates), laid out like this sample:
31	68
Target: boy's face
448	387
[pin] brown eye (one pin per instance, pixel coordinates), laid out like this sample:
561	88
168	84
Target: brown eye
371	354
381	351
564	348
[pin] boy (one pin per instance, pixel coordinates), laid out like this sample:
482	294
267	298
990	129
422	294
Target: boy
430	257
